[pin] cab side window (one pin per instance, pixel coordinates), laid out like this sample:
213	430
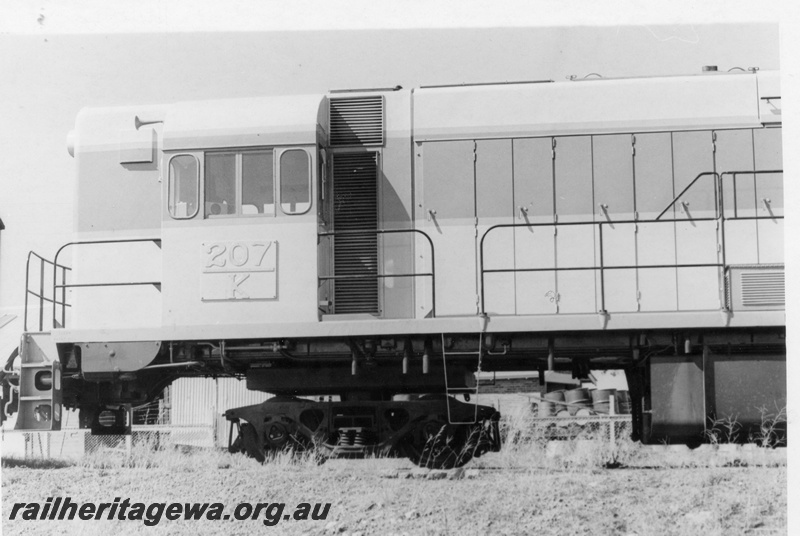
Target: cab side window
253	182
258	188
295	169
184	186
220	184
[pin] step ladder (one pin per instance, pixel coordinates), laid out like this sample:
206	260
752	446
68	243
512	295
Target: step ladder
462	390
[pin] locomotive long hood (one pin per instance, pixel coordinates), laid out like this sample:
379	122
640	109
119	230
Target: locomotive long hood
285	120
596	106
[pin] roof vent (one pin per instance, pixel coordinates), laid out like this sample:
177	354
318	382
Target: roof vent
356	121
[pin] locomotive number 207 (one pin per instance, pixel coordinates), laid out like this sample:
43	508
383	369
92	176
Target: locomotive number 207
239	256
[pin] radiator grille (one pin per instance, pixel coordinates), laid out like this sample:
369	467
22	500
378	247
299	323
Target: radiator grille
356	121
355	208
763	289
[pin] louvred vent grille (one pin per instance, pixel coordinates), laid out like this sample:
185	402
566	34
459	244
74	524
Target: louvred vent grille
763	289
355	208
356	121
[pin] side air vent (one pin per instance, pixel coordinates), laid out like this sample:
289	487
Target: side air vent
356	121
355	247
756	287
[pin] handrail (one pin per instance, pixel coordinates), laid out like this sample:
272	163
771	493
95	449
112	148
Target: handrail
41	294
719	216
601	266
64	286
705	173
733	174
431	274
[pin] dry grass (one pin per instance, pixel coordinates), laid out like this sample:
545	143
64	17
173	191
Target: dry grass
531	487
526	446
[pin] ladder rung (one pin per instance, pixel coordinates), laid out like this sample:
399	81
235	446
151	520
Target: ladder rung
461	390
27	398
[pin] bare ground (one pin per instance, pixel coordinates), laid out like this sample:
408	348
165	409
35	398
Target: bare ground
493	496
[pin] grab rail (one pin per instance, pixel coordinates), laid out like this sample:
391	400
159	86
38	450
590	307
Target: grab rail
64	286
733	175
601	267
41	294
704	174
431	274
719	216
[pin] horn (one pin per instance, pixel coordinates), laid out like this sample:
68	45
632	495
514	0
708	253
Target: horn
139	122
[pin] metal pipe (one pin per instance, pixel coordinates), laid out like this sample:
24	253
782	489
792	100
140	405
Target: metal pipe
585	268
685	190
432	273
173	365
602	274
370	276
27	275
127	284
41	293
63	298
156	241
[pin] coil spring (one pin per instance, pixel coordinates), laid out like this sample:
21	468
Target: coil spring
352	438
345	438
359	439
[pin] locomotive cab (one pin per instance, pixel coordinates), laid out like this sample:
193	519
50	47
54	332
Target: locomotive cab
239	192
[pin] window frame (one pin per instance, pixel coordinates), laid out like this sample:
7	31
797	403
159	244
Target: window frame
240	183
236	186
171	184
279	182
277	154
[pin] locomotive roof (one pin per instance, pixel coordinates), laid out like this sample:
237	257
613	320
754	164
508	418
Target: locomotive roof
274	120
727	100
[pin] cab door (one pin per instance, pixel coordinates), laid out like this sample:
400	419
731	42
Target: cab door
494	213
446	184
696	230
612	164
534	237
769	194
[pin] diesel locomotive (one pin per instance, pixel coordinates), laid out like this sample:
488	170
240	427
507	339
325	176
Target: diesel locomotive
378	247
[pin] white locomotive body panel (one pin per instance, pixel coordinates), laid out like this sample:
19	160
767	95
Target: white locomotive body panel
510	215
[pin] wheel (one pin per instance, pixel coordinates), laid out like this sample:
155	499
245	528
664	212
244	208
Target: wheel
277	435
439	445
